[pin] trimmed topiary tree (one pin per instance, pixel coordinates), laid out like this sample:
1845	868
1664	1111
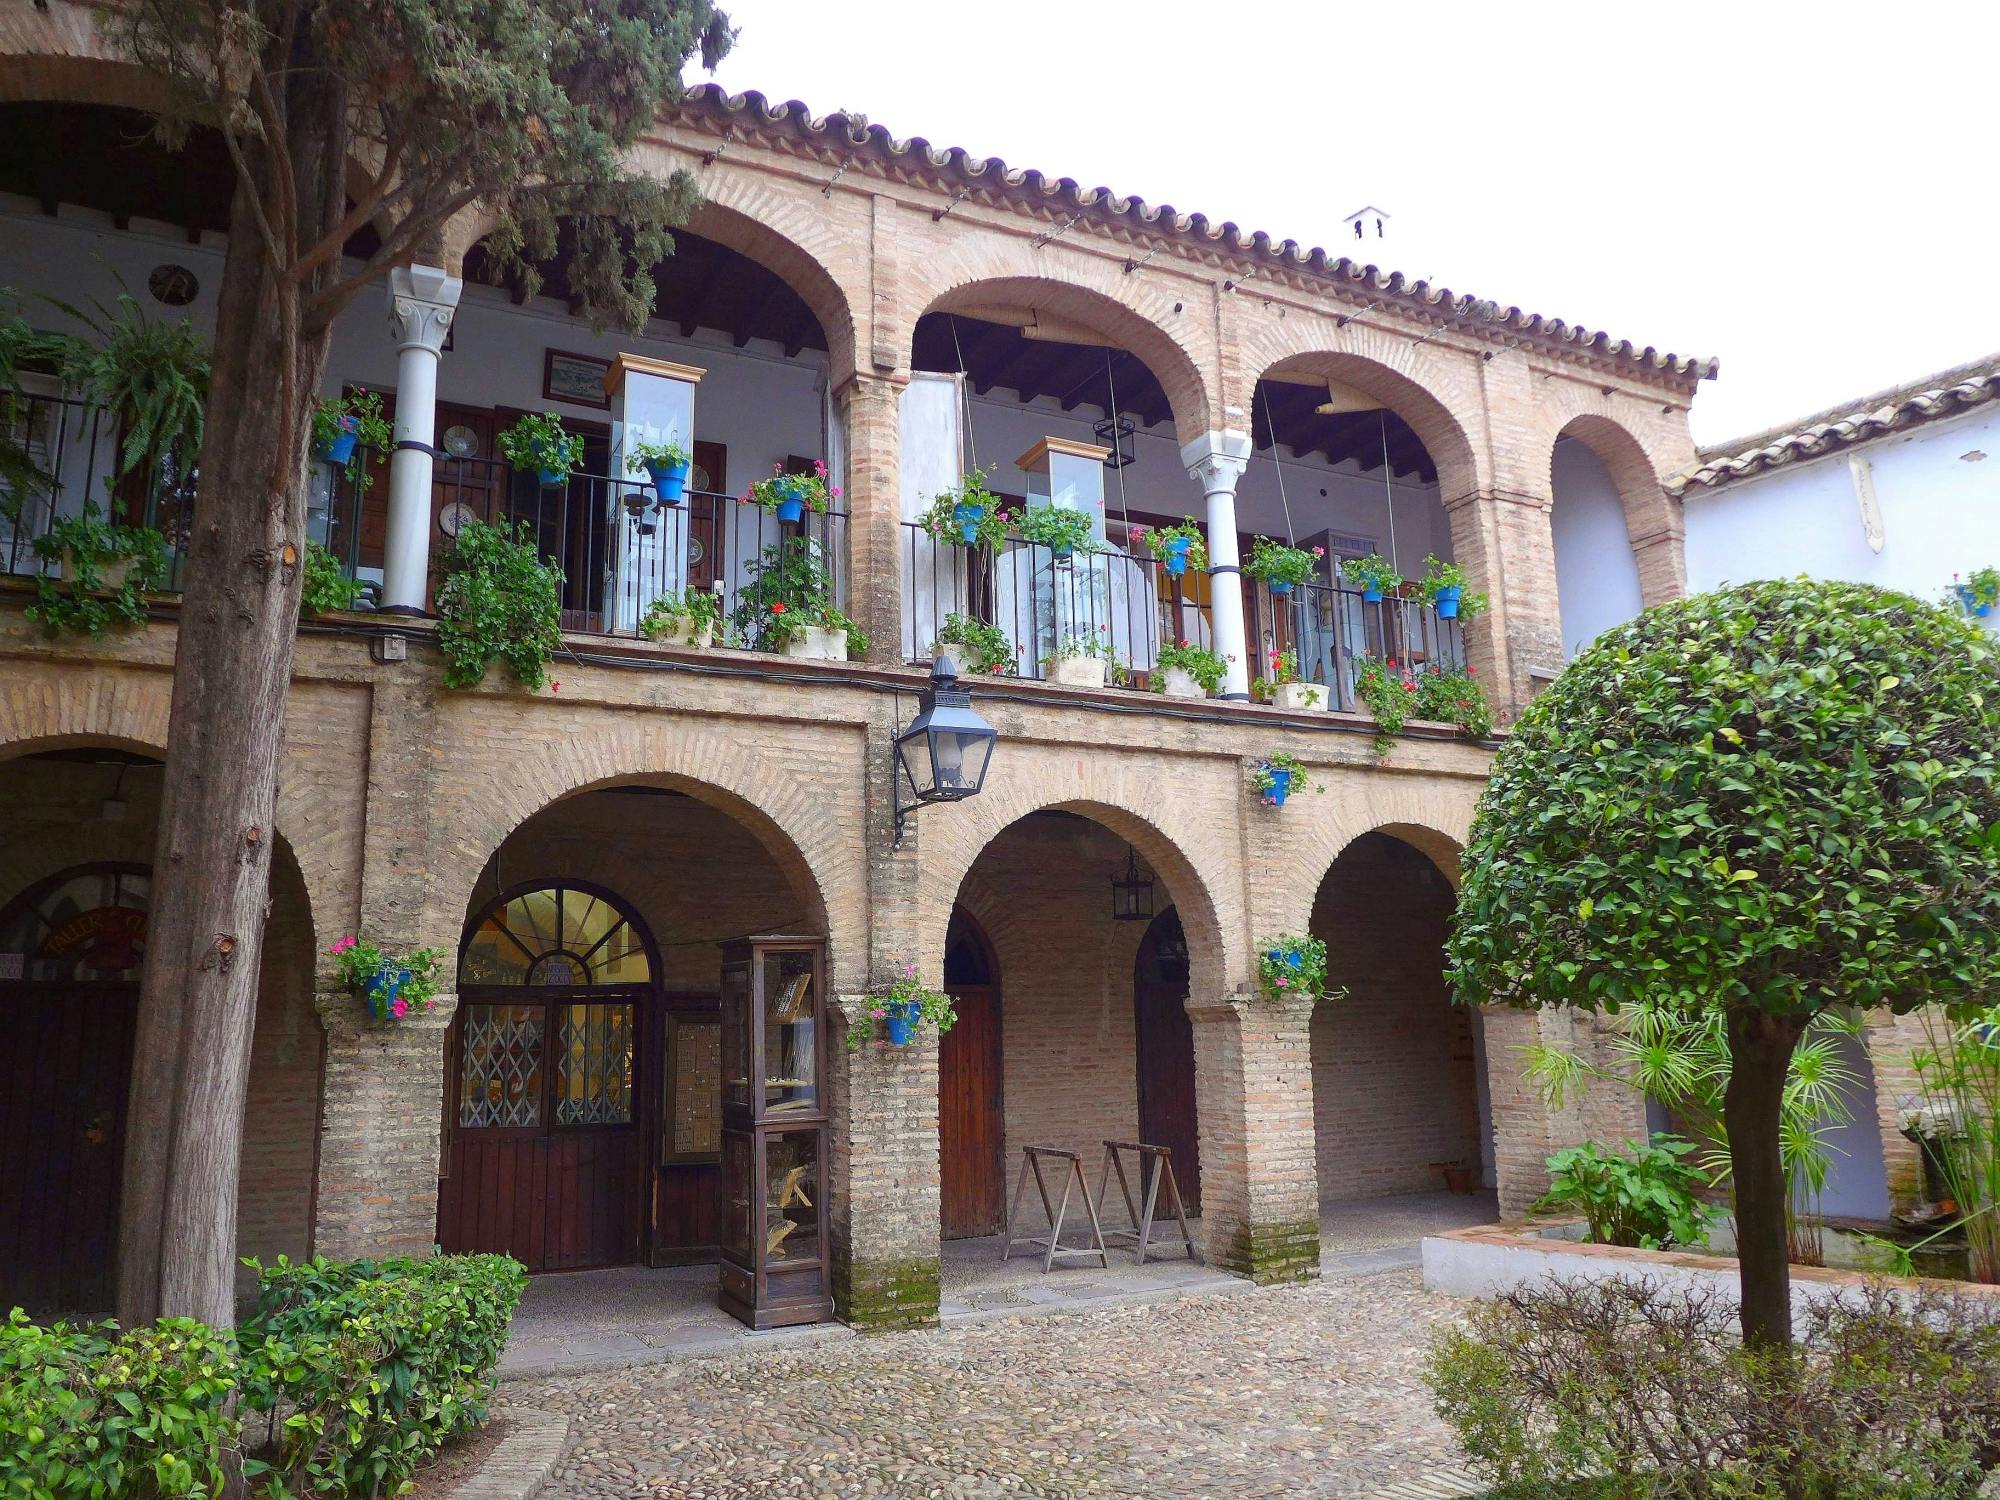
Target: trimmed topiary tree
1772	800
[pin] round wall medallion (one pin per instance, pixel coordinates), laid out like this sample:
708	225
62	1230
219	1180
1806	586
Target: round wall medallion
698	478
695	551
461	442
174	285
454	516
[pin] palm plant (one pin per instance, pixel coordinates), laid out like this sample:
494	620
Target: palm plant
1682	1060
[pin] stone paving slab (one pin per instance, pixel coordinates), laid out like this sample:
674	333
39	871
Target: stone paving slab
522	1460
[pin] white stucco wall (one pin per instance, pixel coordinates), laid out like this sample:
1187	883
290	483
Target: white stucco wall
1597	577
1940	514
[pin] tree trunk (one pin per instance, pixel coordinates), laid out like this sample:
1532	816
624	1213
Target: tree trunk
1760	1052
238	625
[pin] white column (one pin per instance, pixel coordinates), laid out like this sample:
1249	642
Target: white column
421	303
1215	462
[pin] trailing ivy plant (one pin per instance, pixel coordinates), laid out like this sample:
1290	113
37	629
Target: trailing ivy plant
1772	802
1390	693
497	601
327	585
1290	966
111	568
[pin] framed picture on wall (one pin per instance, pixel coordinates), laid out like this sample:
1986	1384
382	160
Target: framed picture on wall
575	378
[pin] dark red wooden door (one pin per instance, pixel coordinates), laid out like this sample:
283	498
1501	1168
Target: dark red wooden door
65	1065
1166	1054
972	1127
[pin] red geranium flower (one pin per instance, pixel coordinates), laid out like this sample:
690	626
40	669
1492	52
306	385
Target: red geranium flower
777	609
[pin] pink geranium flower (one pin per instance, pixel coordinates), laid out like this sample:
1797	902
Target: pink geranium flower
343	945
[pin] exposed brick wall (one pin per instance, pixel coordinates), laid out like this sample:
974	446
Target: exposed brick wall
1393	1066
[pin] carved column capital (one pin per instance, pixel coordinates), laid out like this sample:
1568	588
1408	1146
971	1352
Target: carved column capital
422	301
1216	460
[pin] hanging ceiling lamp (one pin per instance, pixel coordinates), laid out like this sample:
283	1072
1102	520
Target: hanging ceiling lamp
1131	893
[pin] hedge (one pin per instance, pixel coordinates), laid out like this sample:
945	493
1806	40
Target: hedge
345	1379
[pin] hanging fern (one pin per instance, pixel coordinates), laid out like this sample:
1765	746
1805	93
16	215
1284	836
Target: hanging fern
153	375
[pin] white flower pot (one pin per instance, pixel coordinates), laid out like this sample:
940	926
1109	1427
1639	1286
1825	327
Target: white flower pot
815	644
1181	684
1300	697
1078	671
110	573
945	654
683	633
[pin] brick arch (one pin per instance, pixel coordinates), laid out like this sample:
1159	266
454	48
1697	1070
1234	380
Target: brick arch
765	791
92	75
1435	390
1653	521
1178	837
1083	290
1434	819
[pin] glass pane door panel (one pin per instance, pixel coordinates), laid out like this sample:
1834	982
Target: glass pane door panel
500	1070
791	1057
792	1198
736	1034
594	1083
739	1209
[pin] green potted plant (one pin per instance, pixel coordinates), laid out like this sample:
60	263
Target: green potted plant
1079	659
1177	547
1443	588
392	986
1979	592
1182	669
1278	775
816	632
344	426
667	464
973	646
106	571
327	586
153	374
1372	575
901	1007
1454	695
497	601
1389	692
1291	967
968	516
1280	686
790	496
690	619
787	605
539	442
1064	531
1280	568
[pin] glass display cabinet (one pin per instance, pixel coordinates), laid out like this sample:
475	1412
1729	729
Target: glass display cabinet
774	1253
1068	474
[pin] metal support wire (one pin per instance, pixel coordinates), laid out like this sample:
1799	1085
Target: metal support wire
1124	510
1291	532
1389	490
965	391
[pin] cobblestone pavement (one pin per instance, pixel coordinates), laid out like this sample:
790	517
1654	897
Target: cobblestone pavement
1294	1391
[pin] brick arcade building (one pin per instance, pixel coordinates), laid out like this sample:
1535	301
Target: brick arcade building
902	313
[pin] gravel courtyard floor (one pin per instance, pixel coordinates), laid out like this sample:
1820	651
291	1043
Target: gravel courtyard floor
1292	1391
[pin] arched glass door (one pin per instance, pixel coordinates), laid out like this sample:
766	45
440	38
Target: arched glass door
548	1160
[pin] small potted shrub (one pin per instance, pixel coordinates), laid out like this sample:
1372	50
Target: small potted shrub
1177	547
327	586
690	619
814	632
497	601
666	464
1065	532
972	646
790	496
539	442
1280	686
1280	568
344	426
1079	659
901	1008
1372	575
106	571
1278	775
1185	670
1390	693
1979	592
969	516
1443	588
1291	967
392	987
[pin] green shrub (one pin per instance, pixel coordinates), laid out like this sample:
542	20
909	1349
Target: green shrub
1645	1199
364	1369
327	586
88	602
1607	1388
90	1411
497	601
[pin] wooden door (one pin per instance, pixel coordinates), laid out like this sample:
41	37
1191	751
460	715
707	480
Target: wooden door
1166	1052
708	482
65	1066
972	1128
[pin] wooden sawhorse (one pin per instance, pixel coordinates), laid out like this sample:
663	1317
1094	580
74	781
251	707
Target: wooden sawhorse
1072	1168
1163	1166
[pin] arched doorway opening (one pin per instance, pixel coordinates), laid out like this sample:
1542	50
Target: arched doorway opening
583	1101
1399	1101
1597	574
76	842
1166	1052
972	1114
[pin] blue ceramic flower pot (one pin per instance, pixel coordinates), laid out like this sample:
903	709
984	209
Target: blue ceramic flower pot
902	1023
1447	603
1370	594
791	510
968	518
1279	588
1281	787
1174	556
670	480
341	449
1969	601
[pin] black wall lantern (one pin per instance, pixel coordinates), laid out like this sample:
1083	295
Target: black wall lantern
1116	434
943	755
1131	893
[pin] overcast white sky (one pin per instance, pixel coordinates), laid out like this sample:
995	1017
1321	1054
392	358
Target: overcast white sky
1806	191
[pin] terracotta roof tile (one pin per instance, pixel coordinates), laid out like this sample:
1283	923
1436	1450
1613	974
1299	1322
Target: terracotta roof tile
1021	185
1930	399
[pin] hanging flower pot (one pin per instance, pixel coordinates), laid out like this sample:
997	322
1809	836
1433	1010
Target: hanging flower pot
1279	789
1968	597
1174	556
389	986
546	455
1278	777
670	479
1279	588
902	1022
968	516
340	448
791	499
1446	600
